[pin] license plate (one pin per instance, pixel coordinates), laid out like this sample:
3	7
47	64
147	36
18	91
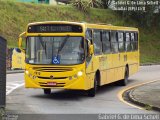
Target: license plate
51	83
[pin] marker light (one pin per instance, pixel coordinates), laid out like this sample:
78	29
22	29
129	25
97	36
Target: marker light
75	76
70	77
80	73
34	77
30	75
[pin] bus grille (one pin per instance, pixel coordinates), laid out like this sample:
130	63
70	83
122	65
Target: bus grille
52	78
52	69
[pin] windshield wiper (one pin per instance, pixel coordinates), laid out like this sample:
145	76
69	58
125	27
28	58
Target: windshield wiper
62	45
43	45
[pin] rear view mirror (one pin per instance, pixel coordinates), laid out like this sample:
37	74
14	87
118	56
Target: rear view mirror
20	41
90	47
18	50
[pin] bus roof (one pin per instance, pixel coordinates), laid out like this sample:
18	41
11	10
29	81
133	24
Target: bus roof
89	25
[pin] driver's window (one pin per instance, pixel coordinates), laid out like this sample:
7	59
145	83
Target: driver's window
88	37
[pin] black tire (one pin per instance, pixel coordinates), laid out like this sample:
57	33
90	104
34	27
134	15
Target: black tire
92	91
124	81
47	91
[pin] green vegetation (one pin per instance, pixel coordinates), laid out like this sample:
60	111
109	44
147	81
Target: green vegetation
2	111
15	17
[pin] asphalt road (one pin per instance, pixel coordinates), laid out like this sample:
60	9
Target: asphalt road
14	81
33	101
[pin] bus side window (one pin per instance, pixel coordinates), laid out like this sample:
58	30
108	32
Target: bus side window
106	45
127	42
133	42
97	42
89	35
114	42
121	42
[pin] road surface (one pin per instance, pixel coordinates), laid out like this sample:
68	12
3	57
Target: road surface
33	101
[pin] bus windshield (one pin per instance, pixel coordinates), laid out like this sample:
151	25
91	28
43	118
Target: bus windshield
64	50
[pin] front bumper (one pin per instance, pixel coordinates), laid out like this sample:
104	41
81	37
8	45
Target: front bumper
76	83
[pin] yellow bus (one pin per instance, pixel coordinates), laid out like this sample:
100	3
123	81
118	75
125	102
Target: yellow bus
18	59
78	56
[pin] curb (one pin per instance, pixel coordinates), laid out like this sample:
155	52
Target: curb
14	71
139	103
149	64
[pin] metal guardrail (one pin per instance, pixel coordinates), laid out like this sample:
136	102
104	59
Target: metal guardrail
3	45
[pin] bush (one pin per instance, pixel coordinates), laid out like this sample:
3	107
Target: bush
95	3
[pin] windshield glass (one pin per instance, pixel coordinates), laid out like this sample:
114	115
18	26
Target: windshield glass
55	50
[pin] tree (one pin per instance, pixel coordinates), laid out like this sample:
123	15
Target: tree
106	3
95	3
145	18
82	5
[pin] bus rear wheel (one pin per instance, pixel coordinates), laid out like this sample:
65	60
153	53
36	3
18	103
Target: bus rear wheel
92	91
47	91
124	81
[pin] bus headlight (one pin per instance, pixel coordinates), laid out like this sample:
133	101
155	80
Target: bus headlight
80	73
27	72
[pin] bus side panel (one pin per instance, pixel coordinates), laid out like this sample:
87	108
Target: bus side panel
107	73
133	62
90	72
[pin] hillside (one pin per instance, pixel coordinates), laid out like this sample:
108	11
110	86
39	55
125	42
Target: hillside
15	17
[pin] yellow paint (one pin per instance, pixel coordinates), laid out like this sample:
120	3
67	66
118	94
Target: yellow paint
18	60
120	93
111	66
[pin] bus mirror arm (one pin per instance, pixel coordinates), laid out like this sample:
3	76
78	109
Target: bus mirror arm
20	41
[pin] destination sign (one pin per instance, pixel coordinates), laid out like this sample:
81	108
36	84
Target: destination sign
54	28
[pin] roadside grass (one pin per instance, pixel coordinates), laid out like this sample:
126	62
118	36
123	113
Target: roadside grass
2	112
15	16
150	46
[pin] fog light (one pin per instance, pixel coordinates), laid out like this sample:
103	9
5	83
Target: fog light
80	73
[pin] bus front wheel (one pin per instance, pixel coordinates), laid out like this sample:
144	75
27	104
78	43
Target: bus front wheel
92	91
47	91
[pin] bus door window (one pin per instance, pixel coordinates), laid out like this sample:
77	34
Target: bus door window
88	40
88	37
97	42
